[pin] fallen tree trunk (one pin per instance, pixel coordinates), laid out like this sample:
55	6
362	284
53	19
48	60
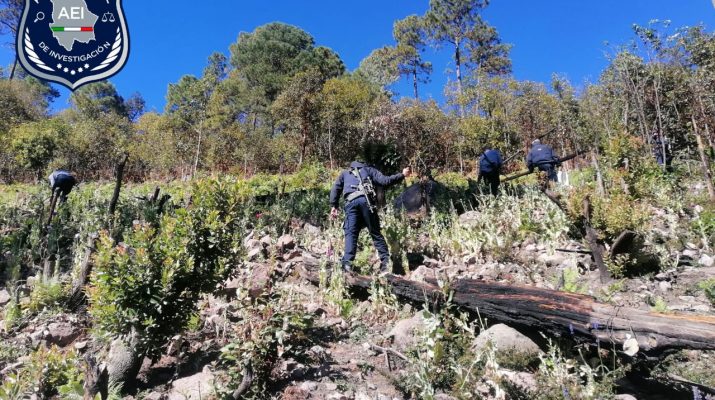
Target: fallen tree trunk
557	313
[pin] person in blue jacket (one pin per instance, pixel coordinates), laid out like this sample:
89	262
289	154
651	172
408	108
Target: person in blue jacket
358	214
62	182
542	157
490	164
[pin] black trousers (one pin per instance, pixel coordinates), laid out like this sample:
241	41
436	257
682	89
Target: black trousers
492	179
357	217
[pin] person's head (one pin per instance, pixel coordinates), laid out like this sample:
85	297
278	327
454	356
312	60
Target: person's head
536	142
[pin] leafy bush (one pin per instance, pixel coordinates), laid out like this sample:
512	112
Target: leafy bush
562	378
708	286
618	213
43	375
443	359
149	285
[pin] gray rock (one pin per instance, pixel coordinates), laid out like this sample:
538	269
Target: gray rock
470	259
523	380
255	254
505	338
4	297
122	362
154	396
690	253
706	261
701	308
195	387
311	229
266	241
403	333
309	386
443	396
430	262
285	242
625	397
62	333
330	386
469	218
552	260
421	273
253	244
664	286
362	396
37	336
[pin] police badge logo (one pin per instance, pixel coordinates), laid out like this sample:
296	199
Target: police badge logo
73	42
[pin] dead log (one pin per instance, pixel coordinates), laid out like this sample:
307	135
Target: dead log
119	173
597	249
77	295
557	313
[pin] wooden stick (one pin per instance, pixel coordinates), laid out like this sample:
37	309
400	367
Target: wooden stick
118	184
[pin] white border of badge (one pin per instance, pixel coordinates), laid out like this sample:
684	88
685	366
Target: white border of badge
32	70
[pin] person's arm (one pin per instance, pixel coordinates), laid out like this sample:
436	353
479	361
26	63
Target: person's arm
529	162
337	191
383	180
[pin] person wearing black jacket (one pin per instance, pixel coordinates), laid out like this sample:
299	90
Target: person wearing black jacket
490	164
542	157
358	213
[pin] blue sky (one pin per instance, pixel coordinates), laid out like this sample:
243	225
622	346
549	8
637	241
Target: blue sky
549	36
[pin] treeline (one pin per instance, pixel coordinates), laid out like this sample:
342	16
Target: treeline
279	100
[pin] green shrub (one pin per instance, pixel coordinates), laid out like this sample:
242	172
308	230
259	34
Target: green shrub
562	378
43	375
618	213
708	286
149	286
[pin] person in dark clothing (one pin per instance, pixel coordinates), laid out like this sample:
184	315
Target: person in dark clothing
658	147
490	164
358	214
542	157
61	183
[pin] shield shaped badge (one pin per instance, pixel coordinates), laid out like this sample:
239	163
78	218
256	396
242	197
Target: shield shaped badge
73	42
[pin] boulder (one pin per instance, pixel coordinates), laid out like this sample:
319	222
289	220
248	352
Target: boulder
122	363
309	386
266	241
624	397
285	242
523	380
195	387
252	244
706	261
505	338
422	273
62	333
404	331
260	275
311	229
430	262
4	297
256	254
469	218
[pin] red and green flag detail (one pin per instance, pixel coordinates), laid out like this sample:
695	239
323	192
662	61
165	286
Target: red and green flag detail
72	29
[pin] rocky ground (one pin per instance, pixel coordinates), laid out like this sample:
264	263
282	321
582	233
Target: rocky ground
361	358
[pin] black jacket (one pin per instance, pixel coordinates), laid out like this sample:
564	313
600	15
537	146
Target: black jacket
347	182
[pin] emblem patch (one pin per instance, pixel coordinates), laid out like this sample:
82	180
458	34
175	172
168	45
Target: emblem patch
73	42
